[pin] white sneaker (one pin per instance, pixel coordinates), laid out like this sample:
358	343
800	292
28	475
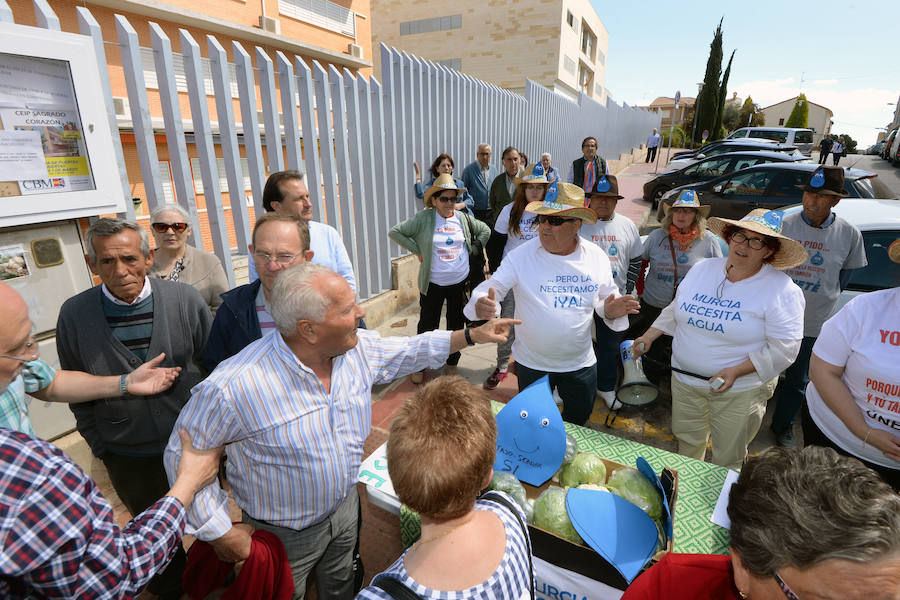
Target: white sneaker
611	401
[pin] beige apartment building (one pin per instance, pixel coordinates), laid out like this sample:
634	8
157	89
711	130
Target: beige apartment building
561	44
819	117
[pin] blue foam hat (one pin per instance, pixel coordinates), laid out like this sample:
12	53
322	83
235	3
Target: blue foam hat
647	471
531	437
615	528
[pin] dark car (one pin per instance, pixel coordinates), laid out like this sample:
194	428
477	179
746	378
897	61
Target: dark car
710	168
735	145
771	186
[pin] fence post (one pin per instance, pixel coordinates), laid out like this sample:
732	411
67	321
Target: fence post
250	123
270	110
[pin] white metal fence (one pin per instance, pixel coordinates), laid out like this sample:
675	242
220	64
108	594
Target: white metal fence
366	132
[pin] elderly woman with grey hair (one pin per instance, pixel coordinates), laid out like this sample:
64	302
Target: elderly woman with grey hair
805	524
175	260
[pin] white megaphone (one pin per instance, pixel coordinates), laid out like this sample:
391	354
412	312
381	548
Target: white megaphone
635	389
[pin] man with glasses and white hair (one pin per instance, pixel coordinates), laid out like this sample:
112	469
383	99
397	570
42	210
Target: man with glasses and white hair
294	409
279	241
559	281
112	328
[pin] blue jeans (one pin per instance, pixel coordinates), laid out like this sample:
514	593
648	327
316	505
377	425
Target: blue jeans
576	388
793	389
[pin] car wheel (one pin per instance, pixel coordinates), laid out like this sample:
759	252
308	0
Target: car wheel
654	199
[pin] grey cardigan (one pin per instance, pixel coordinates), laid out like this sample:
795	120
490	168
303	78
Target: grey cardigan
133	425
204	271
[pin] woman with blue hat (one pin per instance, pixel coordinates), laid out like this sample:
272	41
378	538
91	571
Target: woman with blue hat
736	323
681	241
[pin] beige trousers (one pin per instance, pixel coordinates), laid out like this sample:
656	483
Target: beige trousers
731	419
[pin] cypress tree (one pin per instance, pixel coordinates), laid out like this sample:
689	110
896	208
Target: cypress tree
716	132
800	113
708	99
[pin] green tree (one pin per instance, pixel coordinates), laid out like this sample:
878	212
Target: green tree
708	99
800	113
750	115
848	142
731	116
717	130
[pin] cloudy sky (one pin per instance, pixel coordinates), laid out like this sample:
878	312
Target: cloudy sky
842	55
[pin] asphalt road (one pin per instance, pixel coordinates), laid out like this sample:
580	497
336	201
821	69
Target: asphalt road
887	173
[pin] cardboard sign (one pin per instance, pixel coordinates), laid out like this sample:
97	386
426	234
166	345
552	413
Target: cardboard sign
531	438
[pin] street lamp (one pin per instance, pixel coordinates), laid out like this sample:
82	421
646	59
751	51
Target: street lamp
694	126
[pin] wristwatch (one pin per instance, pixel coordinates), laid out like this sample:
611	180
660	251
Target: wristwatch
469	340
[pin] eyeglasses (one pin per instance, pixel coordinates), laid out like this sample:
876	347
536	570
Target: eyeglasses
754	242
553	220
281	259
164	227
446	198
788	593
29	345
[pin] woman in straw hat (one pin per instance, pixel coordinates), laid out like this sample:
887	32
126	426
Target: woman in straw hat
559	280
736	323
443	163
442	238
681	241
516	226
854	393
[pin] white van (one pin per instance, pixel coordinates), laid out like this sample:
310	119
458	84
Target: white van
802	139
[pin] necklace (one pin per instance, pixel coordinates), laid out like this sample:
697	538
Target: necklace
443	533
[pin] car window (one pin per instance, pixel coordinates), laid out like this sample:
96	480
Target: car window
869	187
743	163
753	183
738	134
786	186
778	136
710	168
803	137
881	272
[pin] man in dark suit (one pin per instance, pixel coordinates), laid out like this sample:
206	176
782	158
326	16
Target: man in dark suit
586	170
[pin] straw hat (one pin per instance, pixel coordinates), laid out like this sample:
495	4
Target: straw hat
826	180
533	174
565	200
444	182
606	186
766	222
687	199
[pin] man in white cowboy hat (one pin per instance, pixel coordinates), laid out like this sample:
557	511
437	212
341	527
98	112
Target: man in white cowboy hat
618	237
559	280
835	248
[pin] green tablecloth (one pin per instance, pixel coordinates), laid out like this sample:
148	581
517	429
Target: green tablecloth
699	484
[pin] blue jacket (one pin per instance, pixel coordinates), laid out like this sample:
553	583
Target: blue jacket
235	326
477	186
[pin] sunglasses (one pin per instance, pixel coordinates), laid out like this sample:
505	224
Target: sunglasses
553	220
164	227
446	198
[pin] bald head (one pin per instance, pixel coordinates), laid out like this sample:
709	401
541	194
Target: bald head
15	332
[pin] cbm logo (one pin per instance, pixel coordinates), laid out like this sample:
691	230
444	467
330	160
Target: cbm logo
34	185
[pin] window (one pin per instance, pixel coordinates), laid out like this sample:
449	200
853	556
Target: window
881	272
322	13
569	65
781	121
769	134
599	90
151	81
708	169
584	77
753	183
601	58
223	178
570	19
740	133
786	186
430	25
588	42
452	63
803	137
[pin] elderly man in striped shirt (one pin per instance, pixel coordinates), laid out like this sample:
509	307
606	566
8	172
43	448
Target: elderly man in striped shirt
294	408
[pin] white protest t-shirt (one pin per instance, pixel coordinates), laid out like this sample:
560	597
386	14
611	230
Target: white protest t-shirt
831	249
527	229
556	296
864	337
450	260
619	238
658	285
718	325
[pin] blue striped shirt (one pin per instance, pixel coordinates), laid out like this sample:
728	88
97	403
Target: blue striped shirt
294	451
511	580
